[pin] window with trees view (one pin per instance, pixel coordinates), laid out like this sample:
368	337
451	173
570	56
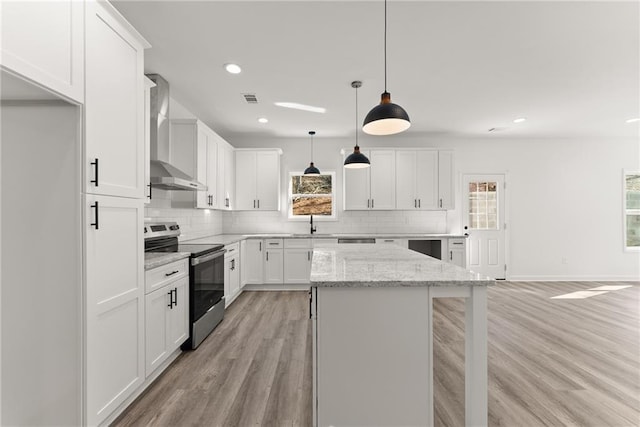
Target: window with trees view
312	195
632	210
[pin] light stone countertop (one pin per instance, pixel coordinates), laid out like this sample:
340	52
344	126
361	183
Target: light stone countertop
227	239
157	259
370	265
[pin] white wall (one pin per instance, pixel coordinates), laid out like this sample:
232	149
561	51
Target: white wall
564	199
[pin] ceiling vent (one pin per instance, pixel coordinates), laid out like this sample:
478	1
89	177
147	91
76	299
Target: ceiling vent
250	98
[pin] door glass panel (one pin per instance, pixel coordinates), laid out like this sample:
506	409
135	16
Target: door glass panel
483	205
632	190
633	231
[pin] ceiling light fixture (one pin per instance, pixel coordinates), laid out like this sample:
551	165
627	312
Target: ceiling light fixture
520	120
356	160
263	120
636	119
312	170
386	118
233	68
303	107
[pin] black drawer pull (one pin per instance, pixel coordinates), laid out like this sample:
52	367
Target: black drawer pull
95	224
172	273
95	169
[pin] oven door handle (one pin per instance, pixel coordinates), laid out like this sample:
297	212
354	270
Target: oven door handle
208	257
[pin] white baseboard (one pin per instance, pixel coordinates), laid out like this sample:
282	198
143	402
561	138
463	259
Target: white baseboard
538	278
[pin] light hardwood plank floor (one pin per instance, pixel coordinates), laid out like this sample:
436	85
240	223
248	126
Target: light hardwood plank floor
552	362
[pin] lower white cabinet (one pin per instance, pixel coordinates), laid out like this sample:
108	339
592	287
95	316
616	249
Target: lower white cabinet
232	284
273	262
297	260
457	251
399	242
252	262
166	315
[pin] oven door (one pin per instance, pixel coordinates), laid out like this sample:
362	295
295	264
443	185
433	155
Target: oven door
206	283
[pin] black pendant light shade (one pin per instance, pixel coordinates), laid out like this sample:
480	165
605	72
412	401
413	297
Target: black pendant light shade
386	118
356	160
312	170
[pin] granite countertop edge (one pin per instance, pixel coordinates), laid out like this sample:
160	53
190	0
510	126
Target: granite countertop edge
158	259
228	239
401	284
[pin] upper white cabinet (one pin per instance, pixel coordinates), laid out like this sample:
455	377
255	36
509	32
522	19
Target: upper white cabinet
446	181
258	179
148	84
373	187
114	104
226	176
207	170
416	179
43	41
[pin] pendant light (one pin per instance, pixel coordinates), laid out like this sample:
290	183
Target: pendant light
356	159
386	118
312	170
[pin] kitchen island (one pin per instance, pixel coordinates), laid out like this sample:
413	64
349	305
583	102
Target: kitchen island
372	332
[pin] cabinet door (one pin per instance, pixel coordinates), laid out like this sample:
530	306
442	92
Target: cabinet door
114	107
273	266
156	345
148	84
297	265
383	179
356	187
178	314
114	266
202	151
229	178
406	180
252	262
427	179
446	180
234	277
268	180
212	170
43	41
245	180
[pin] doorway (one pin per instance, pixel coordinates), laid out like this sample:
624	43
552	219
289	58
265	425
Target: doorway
485	221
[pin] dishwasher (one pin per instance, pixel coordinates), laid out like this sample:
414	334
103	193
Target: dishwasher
356	240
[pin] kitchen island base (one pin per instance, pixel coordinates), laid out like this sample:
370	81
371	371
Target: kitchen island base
374	354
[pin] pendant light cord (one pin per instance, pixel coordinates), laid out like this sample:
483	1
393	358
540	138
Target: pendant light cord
385	45
356	115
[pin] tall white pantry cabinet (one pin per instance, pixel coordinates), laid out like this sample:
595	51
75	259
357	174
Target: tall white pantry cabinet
85	54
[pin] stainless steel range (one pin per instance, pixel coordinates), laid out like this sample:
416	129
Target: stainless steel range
206	277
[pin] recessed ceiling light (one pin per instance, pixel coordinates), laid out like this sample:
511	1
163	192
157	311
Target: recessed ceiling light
263	120
232	68
520	120
302	107
635	119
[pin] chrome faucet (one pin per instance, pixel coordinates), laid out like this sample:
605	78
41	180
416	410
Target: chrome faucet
313	229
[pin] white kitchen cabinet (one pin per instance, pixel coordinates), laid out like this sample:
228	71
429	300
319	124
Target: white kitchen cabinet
148	84
114	269
226	176
273	261
252	255
114	104
457	252
446	181
297	265
373	187
416	179
44	42
257	179
232	270
167	321
404	243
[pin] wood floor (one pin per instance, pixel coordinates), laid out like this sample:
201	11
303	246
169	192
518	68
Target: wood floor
552	362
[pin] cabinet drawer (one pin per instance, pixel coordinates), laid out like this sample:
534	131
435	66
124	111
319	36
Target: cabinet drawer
273	243
297	243
232	250
457	243
160	276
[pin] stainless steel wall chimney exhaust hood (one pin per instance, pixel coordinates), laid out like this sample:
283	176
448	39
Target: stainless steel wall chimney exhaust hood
164	175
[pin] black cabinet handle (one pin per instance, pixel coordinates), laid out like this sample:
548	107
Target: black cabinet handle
254	204
233	264
450	255
95	224
267	255
172	273
260	247
415	203
308	256
371	203
440	202
419	203
95	170
258	203
170	293
226	202
175	294
150	195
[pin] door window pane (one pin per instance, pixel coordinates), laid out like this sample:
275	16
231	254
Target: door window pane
483	205
633	231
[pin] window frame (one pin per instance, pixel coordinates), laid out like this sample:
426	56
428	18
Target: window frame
334	210
626	212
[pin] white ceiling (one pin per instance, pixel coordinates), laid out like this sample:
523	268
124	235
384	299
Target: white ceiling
458	68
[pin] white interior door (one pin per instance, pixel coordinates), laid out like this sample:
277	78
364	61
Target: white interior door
484	220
